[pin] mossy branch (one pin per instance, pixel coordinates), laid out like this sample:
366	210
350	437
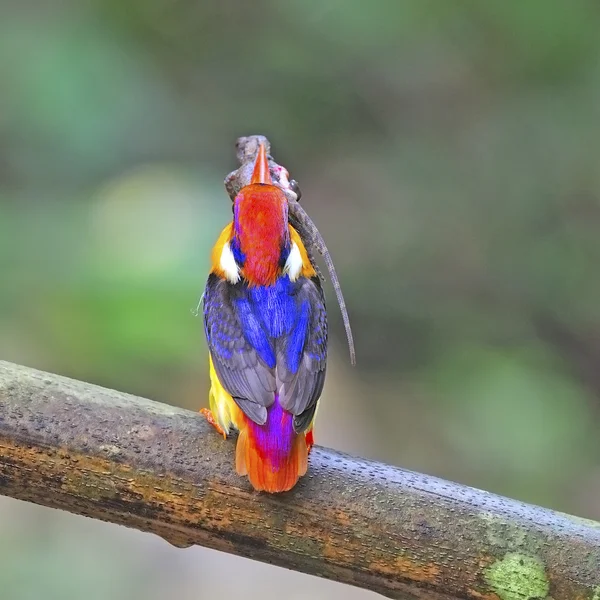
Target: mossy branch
111	456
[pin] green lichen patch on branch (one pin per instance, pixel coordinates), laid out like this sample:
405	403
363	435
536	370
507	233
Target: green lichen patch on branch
518	577
507	536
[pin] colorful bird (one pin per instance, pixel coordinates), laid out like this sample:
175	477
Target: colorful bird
266	327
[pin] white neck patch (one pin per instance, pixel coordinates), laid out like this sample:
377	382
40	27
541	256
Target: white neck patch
228	264
293	264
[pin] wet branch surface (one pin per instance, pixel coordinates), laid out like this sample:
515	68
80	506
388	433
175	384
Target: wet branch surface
146	465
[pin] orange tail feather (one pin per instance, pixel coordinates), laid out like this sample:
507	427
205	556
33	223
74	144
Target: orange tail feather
263	476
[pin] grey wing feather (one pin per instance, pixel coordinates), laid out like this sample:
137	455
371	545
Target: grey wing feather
240	370
300	389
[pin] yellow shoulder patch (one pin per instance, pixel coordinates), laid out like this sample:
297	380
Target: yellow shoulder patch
217	251
307	269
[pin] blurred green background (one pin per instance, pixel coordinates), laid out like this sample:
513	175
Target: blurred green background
447	151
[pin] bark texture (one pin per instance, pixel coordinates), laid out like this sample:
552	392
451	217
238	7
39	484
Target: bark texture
115	457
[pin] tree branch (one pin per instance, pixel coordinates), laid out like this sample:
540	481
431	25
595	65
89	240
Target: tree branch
160	469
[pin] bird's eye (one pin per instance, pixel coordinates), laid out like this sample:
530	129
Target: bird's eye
296	189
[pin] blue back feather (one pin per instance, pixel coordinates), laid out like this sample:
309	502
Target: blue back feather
269	313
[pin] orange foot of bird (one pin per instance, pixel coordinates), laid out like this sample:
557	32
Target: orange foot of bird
205	412
310	441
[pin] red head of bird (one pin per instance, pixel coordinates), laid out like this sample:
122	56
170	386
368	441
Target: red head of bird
260	237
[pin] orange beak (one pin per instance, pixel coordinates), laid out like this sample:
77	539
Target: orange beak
261	168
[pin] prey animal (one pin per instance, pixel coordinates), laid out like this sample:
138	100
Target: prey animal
265	322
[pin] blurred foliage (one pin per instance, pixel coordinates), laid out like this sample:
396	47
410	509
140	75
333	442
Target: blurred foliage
448	153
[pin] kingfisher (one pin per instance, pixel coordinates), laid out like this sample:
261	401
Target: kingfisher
265	322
